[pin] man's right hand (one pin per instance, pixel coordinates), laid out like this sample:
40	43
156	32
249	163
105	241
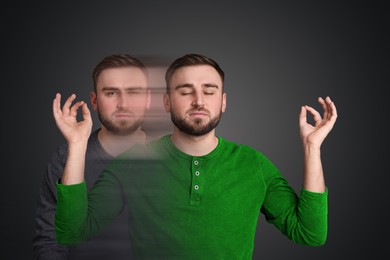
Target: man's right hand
66	119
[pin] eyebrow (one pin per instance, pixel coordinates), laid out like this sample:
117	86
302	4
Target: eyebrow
210	85
116	88
184	86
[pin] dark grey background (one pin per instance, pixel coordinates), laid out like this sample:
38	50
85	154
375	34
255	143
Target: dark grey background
277	56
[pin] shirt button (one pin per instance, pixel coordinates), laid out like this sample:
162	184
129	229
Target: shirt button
197	173
196	187
196	162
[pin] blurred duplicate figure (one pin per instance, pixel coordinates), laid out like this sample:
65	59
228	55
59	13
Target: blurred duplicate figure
192	194
120	97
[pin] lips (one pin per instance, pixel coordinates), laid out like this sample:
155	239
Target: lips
199	113
123	114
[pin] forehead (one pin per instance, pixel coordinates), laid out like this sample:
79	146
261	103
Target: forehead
122	77
196	75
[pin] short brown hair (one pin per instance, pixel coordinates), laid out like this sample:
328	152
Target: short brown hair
116	61
191	60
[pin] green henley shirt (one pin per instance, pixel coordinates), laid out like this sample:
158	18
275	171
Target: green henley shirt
191	207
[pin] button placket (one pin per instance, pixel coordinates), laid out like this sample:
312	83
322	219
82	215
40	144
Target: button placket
196	182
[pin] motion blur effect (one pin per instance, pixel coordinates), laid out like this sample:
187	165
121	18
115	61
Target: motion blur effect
126	96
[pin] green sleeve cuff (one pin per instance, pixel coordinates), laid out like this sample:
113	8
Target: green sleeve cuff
312	193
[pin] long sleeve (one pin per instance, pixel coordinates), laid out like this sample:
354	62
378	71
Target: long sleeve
81	215
45	245
302	219
72	208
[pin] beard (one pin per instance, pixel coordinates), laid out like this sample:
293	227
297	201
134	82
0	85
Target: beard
196	127
123	127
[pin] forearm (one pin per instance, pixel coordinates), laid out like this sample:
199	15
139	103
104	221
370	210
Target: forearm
312	226
302	218
45	245
313	177
48	252
71	215
81	215
75	164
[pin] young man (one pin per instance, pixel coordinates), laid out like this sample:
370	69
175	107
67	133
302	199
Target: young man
120	98
203	198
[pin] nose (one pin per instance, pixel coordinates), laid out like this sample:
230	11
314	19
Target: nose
198	99
122	101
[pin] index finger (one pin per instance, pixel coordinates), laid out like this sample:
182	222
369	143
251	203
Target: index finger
332	109
56	106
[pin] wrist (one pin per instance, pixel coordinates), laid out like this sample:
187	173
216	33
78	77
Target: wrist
311	148
77	146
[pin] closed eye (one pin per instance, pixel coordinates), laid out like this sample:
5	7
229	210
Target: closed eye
134	92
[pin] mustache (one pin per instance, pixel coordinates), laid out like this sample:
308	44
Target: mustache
198	110
122	111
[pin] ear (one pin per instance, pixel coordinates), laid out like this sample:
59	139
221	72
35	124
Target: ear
167	103
223	108
93	98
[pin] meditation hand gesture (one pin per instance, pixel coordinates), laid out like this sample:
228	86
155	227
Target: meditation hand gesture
315	135
66	119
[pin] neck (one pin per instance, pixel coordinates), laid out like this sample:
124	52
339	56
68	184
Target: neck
116	144
194	145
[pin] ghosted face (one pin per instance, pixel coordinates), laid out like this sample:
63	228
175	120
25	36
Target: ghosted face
121	99
196	100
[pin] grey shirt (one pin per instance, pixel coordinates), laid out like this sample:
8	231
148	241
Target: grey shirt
113	243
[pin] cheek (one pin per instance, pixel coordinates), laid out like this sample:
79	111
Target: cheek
105	106
215	104
178	106
138	103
